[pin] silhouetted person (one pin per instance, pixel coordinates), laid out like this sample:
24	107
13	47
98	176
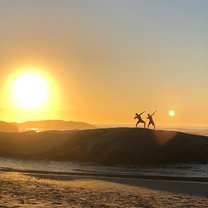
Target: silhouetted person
138	116
151	120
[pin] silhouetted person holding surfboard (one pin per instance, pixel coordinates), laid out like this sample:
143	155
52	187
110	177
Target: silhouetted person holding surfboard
151	120
138	116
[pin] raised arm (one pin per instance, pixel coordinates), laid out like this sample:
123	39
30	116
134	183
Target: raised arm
142	113
153	113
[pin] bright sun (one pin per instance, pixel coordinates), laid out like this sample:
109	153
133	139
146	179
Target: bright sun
30	91
171	113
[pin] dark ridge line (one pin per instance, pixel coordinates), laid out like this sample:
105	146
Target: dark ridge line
145	177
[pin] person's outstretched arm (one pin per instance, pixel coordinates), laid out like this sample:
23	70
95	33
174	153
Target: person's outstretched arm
142	113
153	113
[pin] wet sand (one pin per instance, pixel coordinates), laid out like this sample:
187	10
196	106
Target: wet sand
53	190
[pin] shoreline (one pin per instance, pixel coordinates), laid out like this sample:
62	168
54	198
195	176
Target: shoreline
20	189
94	174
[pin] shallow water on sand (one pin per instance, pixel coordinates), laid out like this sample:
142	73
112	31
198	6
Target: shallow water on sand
185	170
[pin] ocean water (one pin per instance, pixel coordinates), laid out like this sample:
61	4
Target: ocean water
191	130
183	170
197	130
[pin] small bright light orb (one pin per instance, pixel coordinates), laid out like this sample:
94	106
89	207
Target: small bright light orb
30	91
171	113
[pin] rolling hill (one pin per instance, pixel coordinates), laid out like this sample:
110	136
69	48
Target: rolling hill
127	146
46	125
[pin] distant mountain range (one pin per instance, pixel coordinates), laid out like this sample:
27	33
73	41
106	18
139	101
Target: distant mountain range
7	127
46	125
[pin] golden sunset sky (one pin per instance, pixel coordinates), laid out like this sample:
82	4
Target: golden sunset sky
104	60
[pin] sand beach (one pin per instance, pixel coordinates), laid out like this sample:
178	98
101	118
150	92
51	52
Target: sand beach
19	189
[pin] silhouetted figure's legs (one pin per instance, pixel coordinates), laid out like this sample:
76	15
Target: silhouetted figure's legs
141	121
152	124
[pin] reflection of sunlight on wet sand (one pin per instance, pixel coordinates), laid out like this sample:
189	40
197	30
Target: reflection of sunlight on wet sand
163	137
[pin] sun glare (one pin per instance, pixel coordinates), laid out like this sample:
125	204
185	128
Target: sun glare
30	91
171	113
